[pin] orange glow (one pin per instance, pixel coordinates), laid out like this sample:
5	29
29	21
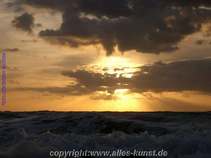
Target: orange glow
117	65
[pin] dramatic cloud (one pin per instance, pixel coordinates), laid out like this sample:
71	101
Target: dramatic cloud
24	22
177	76
149	26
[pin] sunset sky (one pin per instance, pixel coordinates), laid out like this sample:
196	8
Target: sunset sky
107	55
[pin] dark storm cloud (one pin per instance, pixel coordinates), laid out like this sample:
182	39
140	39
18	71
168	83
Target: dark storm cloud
24	22
87	82
177	76
96	81
150	26
173	77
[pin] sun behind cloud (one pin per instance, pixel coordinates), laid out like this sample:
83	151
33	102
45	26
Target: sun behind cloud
118	65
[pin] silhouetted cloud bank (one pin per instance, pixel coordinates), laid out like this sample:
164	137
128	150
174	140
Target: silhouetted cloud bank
149	26
191	75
